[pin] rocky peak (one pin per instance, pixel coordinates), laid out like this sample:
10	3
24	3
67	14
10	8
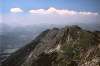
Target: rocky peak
68	46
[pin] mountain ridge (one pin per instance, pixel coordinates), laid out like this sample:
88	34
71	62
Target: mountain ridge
68	46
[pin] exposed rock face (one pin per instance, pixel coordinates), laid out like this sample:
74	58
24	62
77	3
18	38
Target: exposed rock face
69	46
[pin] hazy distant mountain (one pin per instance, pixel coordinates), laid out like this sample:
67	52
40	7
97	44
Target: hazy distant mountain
15	37
68	46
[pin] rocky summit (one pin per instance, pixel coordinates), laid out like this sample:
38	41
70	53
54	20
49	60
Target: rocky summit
68	46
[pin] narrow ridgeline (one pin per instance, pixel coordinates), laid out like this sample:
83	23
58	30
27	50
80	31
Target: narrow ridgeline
68	46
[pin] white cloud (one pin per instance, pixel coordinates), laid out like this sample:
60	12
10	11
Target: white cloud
39	11
66	12
16	10
51	16
88	13
54	11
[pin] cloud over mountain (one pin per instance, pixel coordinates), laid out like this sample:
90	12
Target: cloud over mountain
16	10
49	16
65	12
55	11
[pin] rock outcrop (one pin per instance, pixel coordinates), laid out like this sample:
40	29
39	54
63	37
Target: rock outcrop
68	46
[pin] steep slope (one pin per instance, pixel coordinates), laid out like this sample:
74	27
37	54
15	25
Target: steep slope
68	46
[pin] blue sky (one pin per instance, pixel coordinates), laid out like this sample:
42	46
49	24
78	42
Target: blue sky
78	5
26	12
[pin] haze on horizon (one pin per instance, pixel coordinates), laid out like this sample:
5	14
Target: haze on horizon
21	12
